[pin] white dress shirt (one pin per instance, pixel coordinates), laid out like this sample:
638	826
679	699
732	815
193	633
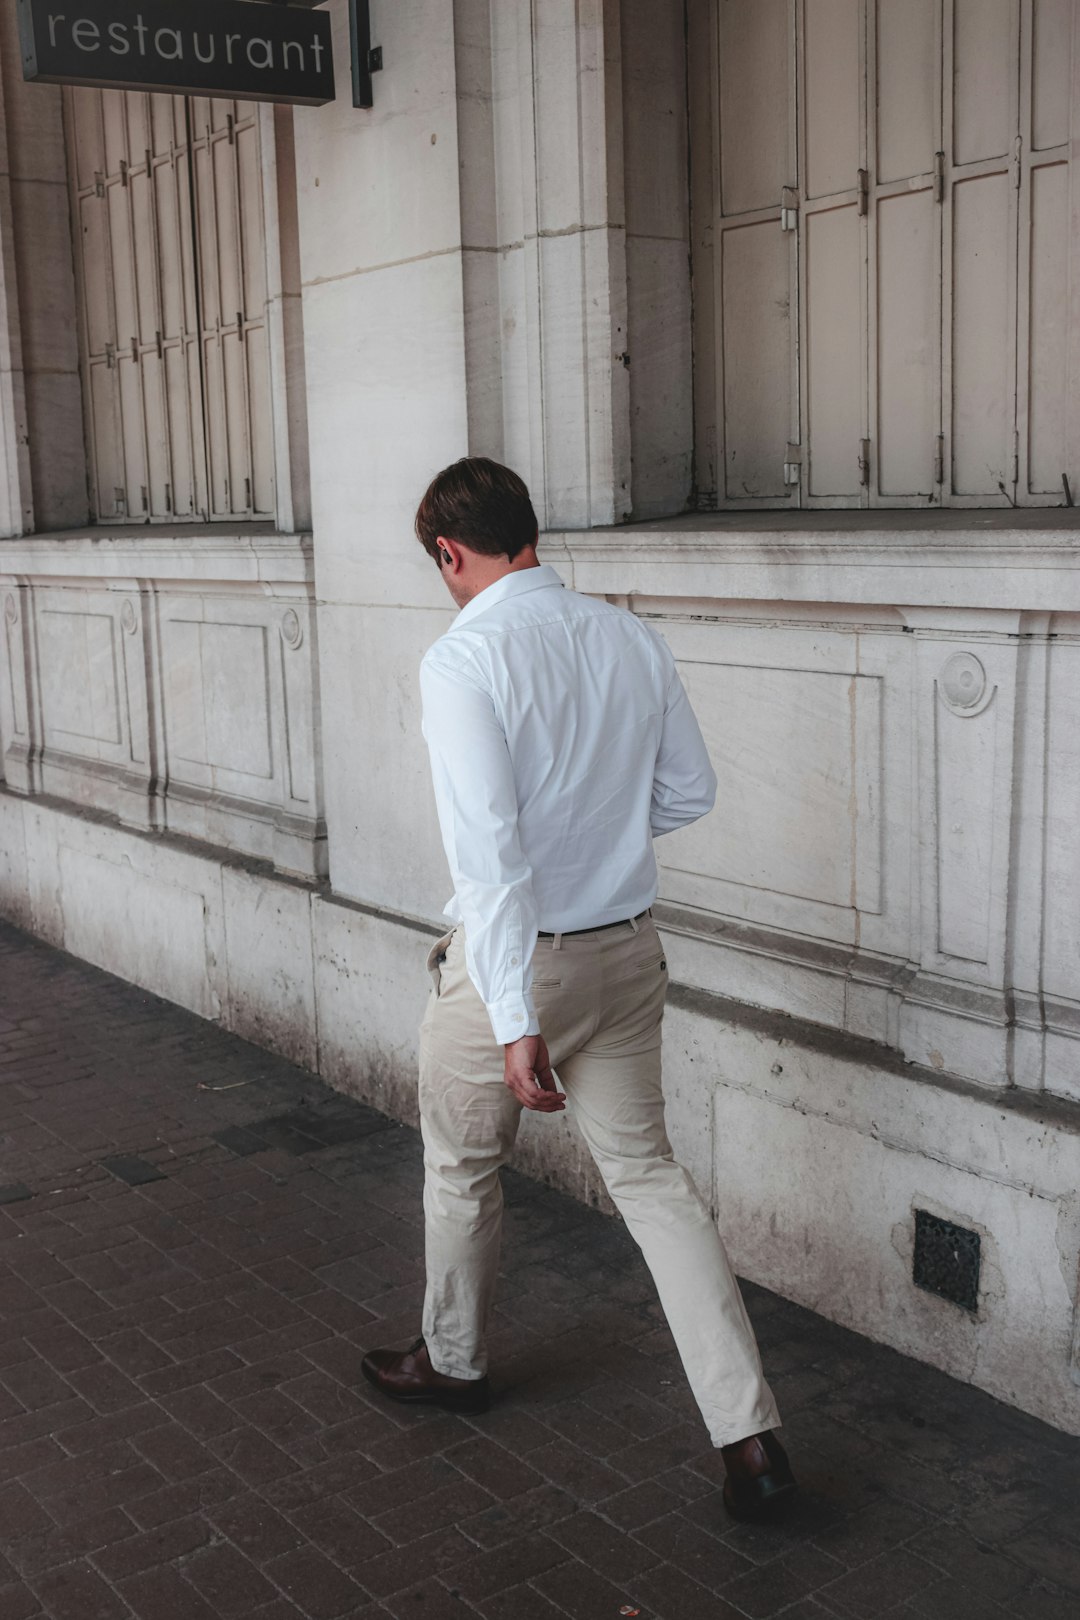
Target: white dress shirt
562	742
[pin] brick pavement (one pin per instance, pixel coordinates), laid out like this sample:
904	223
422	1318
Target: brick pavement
197	1241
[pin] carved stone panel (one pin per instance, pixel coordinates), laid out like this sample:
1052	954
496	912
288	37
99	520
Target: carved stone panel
15	694
237	682
797	813
89	681
964	758
1061	930
170	703
216	681
81	688
966	709
805	725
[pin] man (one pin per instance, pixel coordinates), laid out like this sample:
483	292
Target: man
562	743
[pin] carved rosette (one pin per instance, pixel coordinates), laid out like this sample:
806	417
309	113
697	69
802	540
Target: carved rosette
129	618
964	687
292	631
11	610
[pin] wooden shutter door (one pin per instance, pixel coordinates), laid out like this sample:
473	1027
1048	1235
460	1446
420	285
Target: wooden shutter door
179	324
980	231
832	102
128	164
756	257
232	288
904	138
1046	206
90	208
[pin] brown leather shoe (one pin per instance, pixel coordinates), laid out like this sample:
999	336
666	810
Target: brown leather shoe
409	1376
759	1484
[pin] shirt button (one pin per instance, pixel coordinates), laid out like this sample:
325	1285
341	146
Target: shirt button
513	961
519	1018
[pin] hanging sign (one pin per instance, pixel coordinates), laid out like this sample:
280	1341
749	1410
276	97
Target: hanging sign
229	48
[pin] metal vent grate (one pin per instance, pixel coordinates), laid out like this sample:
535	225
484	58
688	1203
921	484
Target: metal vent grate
946	1260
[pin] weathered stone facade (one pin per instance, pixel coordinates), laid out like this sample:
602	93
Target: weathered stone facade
215	781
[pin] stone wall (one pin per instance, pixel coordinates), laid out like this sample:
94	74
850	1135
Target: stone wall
814	1149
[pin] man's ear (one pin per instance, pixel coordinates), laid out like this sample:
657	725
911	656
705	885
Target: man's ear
449	556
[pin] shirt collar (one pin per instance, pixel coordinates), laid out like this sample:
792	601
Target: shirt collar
516	584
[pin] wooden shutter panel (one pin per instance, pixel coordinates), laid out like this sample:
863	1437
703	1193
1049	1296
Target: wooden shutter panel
756	260
833	247
135	277
1045	205
904	132
173	306
981	122
232	282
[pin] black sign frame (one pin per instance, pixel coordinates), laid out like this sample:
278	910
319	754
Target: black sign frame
225	48
363	94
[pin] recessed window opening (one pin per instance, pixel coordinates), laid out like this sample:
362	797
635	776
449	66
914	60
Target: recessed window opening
890	265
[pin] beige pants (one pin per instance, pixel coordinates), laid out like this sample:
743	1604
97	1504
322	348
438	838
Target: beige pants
600	1002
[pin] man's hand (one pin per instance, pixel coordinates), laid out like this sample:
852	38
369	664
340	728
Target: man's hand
528	1074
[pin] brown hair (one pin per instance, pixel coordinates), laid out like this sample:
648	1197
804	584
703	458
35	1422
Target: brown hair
479	504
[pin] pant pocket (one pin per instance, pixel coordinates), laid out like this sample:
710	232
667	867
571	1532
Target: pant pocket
436	958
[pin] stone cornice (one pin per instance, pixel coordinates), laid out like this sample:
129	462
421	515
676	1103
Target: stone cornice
1014	559
203	555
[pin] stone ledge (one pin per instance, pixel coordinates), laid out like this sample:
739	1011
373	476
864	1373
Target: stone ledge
253	553
957	559
1039	1107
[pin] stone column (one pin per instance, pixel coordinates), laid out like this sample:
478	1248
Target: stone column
43	462
544	249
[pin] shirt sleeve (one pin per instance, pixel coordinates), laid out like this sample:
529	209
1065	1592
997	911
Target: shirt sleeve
476	797
684	782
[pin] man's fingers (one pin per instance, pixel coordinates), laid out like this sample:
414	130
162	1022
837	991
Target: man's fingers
544	1081
529	1076
535	1096
541	1100
542	1103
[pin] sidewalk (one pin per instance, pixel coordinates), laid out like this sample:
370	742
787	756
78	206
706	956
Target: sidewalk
197	1241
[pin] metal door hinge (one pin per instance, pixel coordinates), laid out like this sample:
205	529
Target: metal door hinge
99	185
110	356
120	501
1017	165
1015	478
864	461
231	123
864	191
789	209
123	172
793	464
939	177
939	459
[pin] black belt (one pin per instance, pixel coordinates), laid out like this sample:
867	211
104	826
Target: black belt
568	933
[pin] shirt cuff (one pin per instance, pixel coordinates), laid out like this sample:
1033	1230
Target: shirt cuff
511	1019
